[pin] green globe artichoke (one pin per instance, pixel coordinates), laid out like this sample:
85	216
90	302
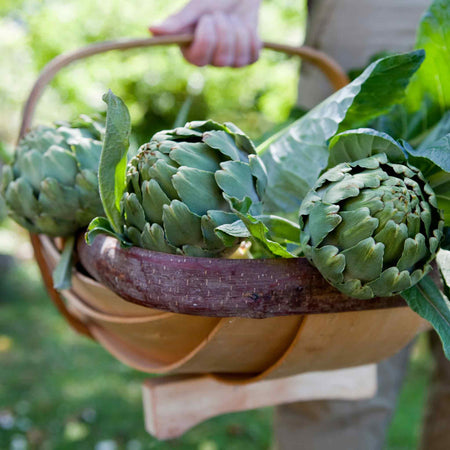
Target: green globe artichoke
371	227
52	187
185	182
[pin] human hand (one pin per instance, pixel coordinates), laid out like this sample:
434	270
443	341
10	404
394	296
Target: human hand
225	31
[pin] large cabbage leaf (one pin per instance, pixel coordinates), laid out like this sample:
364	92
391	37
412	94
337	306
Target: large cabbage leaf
430	303
295	156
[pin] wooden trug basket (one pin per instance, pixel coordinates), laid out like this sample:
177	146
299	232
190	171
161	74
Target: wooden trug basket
242	320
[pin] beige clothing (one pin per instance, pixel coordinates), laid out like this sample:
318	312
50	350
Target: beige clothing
340	424
352	31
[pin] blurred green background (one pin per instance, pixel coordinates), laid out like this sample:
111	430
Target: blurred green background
153	82
59	390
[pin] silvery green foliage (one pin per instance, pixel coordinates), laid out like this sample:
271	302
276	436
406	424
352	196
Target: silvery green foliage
185	182
371	227
51	187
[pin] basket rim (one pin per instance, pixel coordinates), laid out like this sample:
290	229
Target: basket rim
217	287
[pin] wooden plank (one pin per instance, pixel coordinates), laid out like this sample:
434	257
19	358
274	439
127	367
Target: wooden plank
173	405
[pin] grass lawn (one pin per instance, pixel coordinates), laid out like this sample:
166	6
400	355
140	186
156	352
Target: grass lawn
62	391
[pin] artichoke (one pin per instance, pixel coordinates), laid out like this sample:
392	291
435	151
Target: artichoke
371	227
186	182
52	187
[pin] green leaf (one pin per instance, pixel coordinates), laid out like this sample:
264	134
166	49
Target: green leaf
295	156
235	229
254	226
101	225
403	124
113	160
433	78
385	87
183	113
434	162
426	300
62	275
281	228
357	144
438	152
441	129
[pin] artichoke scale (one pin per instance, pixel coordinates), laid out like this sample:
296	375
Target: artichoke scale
87	153
393	236
89	199
58	200
163	173
196	155
355	226
133	211
364	261
59	164
134	235
30	167
414	250
390	282
236	180
134	182
152	238
55	227
341	190
153	200
181	225
20	199
329	262
198	190
356	289
323	219
225	144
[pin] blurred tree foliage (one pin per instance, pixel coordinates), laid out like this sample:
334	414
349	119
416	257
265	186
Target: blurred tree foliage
153	82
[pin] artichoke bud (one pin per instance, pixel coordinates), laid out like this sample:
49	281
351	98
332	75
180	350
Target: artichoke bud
371	227
181	186
51	187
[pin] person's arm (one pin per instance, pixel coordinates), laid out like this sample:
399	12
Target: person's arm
225	31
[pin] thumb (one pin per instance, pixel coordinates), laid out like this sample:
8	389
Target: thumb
177	22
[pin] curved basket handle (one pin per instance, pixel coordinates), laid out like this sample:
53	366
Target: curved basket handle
331	69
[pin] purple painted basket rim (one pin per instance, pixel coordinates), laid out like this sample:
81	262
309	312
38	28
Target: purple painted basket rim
219	287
